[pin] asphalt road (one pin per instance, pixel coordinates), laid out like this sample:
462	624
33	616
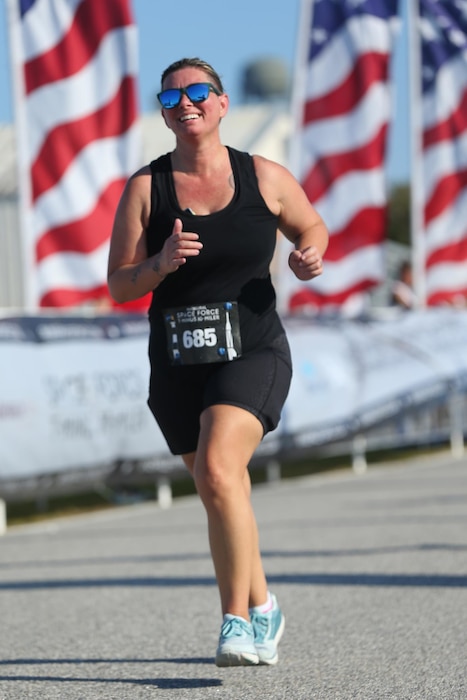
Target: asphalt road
371	572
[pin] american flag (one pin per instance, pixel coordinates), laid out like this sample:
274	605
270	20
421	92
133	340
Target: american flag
342	97
78	139
443	25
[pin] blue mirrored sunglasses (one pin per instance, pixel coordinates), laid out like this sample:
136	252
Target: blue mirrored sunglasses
197	92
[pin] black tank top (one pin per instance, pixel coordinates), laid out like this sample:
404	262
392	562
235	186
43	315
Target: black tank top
238	246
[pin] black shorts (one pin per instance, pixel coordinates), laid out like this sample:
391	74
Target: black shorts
258	381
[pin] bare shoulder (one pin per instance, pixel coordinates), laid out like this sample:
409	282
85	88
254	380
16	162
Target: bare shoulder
145	170
140	181
269	169
273	175
136	195
274	181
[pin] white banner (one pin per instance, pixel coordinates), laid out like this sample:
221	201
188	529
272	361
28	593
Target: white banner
73	390
351	374
73	394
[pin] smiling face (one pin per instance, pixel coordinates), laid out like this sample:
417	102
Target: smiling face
193	118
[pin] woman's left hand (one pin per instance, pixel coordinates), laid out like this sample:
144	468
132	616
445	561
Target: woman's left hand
306	263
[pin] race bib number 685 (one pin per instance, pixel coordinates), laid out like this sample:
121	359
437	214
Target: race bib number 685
205	333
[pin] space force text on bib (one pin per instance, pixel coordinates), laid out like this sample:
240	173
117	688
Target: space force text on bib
203	334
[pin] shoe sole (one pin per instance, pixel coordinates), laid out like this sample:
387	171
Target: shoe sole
230	658
273	661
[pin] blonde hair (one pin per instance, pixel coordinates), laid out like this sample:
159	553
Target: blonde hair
194	63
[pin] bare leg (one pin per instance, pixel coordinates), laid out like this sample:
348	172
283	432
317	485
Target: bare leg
258	586
228	438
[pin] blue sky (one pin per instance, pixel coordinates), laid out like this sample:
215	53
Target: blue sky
229	36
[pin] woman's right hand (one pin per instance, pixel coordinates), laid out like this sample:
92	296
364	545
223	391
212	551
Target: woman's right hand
179	246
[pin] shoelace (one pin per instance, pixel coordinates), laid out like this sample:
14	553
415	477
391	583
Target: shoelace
235	628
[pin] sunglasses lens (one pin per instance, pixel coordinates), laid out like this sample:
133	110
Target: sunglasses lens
170	98
198	92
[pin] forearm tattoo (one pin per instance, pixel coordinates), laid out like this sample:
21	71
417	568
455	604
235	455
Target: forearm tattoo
136	274
157	268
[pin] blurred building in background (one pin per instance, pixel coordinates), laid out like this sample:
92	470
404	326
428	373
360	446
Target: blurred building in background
262	124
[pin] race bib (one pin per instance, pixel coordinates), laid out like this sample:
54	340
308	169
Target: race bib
203	334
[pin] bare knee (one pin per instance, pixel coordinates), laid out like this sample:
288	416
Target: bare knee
228	438
213	478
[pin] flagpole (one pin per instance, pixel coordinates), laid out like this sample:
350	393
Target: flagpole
297	101
417	226
24	187
299	82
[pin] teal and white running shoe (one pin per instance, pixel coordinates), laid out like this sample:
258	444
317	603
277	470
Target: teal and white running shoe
236	643
268	628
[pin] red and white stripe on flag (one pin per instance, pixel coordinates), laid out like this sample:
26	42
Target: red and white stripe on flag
78	139
443	25
342	97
